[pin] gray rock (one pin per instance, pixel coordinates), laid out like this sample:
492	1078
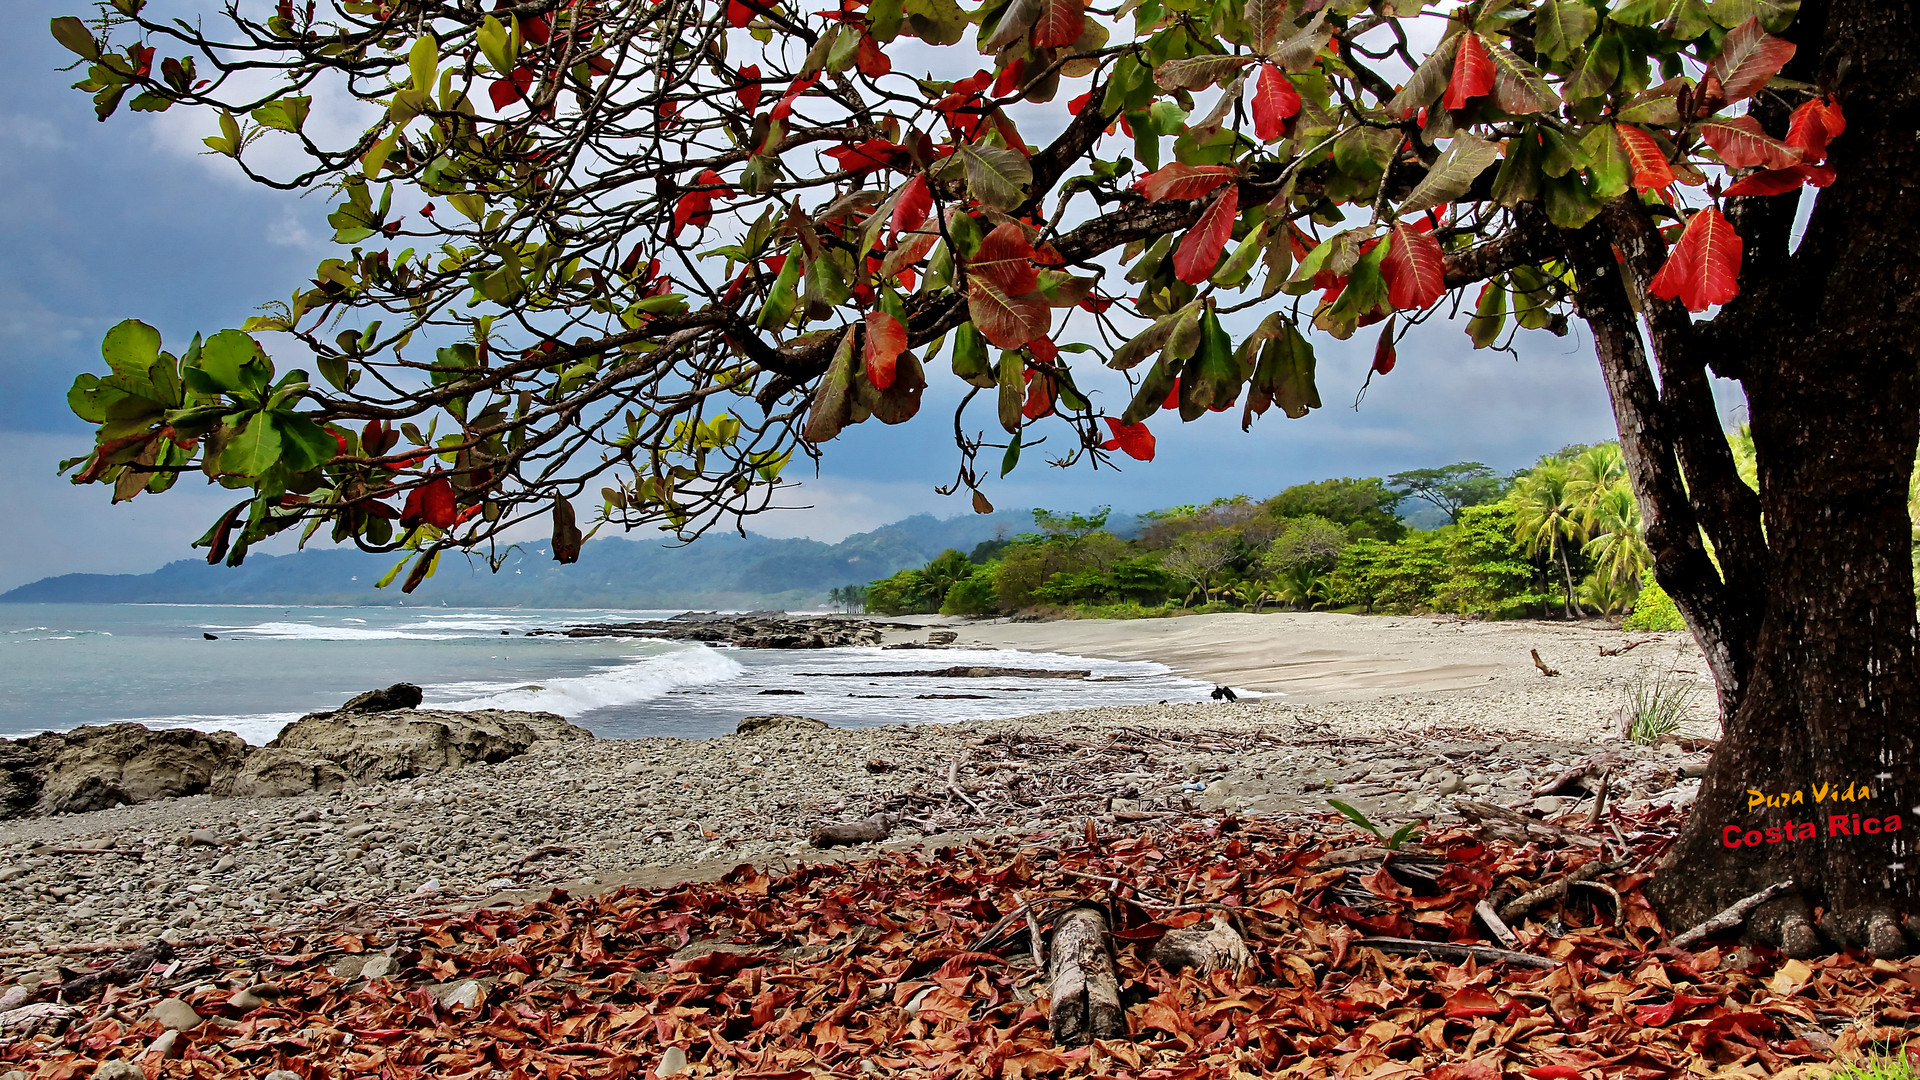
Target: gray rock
398	696
378	967
673	1062
281	1074
1693	769
371	747
1549	804
203	836
118	1070
226	863
165	1044
307	815
359	831
465	994
95	768
1447	783
1476	779
246	999
176	1014
778	723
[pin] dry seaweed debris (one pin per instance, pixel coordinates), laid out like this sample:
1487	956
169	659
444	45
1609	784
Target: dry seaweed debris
915	964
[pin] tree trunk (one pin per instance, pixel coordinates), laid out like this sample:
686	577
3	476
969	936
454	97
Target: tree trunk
1566	567
1811	635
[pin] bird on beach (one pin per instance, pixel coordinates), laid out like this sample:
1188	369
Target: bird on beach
1225	693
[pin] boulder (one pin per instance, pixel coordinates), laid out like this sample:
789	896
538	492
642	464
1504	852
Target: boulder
401	695
758	725
396	745
94	768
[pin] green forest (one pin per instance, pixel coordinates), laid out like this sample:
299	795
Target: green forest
1562	539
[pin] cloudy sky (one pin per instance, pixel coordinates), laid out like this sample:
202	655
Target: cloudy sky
130	219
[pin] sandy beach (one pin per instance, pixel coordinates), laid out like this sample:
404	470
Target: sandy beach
1397	715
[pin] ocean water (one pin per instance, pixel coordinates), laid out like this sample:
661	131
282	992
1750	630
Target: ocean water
65	665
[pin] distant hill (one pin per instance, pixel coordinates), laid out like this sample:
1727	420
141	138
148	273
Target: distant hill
717	571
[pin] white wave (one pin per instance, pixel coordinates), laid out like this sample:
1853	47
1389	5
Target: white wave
642	679
298	631
257	729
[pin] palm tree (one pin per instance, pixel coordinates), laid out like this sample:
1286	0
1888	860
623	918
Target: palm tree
1593	471
1545	521
1611	520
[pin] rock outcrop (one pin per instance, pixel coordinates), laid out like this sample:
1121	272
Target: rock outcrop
401	695
758	630
758	725
95	768
404	743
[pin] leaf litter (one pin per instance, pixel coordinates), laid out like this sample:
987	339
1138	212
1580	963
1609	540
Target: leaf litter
1365	964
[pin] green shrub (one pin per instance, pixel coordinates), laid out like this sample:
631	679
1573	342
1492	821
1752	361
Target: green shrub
1653	609
972	595
905	593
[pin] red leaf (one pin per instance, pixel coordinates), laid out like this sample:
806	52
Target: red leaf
1415	269
1471	1001
916	201
1044	350
1007	321
1133	440
1173	397
1039	398
1703	269
1385	885
1812	124
1554	1072
1749	56
871	59
1651	170
1274	101
886	339
1074	106
505	92
738	14
695	208
1384	355
1060	24
870	156
431	503
749	89
1740	142
1472	73
535	30
1781	181
1199	250
784	107
1006	259
1178	181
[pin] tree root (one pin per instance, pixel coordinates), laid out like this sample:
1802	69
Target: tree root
1203	950
1876	930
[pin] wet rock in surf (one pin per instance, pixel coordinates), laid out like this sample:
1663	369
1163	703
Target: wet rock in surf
400	695
778	722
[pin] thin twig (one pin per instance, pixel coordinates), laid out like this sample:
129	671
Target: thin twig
1528	901
1496	924
1731	916
1450	951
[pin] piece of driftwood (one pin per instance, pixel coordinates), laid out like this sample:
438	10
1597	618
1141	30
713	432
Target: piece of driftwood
869	831
519	865
1082	985
126	969
1599	808
1627	648
1495	923
1204	950
1449	951
1531	827
1542	664
1731	916
1528	901
1580	776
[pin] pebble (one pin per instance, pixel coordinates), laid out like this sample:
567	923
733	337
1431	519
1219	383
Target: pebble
1447	783
1549	804
673	1062
164	1045
378	967
285	1074
176	1014
359	831
465	994
226	863
203	836
119	1070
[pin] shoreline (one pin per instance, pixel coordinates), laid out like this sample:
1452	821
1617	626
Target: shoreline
648	811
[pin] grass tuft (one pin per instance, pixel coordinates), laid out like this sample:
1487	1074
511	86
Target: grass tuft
1656	704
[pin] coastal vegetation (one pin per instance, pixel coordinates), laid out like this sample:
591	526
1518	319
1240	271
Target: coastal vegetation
1560	539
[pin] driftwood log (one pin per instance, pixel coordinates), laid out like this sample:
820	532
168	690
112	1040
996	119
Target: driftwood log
1542	664
1505	821
1204	950
1082	984
869	831
1731	916
126	969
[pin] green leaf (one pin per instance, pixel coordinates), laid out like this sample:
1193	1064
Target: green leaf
497	44
304	444
230	362
970	361
284	114
1570	204
423	62
784	296
1561	27
254	448
1453	173
1774	15
1518	87
131	347
1353	815
1235	271
1607	162
1519	177
1199	72
832	407
1012	457
1599	68
1212	379
1012	375
1430	78
1489	315
936	22
1401	835
998	178
883	20
74	36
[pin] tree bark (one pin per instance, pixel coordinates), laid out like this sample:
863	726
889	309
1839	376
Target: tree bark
1084	989
1809	627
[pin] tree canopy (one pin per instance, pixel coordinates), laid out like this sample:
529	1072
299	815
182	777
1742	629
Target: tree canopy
652	250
